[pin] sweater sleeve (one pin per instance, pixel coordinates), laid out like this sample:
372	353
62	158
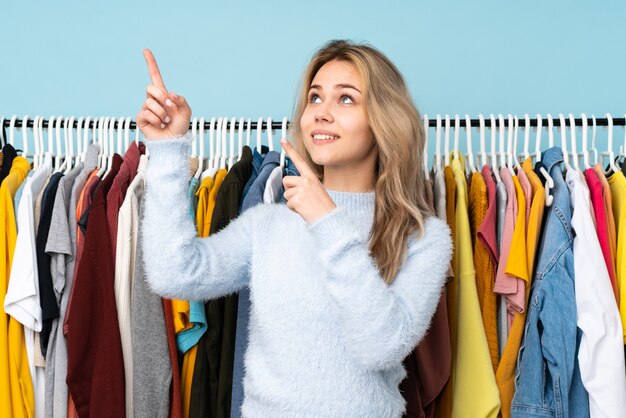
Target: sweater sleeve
382	323
178	264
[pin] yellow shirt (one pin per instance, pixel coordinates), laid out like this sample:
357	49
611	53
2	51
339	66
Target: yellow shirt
475	393
207	193
617	182
505	375
17	397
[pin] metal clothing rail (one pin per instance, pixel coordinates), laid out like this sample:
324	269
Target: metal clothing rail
277	124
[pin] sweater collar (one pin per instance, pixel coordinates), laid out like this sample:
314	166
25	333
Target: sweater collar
354	201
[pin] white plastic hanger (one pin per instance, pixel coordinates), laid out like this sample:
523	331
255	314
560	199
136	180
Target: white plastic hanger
2	138
457	131
223	144
108	139
218	142
39	149
120	148
612	167
212	163
585	143
438	167
425	150
494	159
509	143
69	147
103	123
58	152
259	132
194	136
563	129
200	169
127	132
248	131
79	138
231	152
470	154
12	129
35	141
240	133
549	184
483	151
24	152
526	135
98	139
623	153
283	134
593	139
446	142
515	131
86	130
270	134
572	124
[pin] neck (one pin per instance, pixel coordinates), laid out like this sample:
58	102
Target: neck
348	180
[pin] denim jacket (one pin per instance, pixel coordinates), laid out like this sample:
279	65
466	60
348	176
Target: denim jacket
547	381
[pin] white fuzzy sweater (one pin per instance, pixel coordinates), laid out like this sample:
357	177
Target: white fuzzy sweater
327	335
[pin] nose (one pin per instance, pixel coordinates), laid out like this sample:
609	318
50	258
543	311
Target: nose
322	113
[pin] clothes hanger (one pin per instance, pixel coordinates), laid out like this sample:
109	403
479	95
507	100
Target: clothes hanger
101	150
446	131
200	138
194	137
494	159
54	131
61	150
50	138
593	139
218	142
483	153
38	134
438	167
223	145
86	131
509	142
79	139
425	150
283	134
240	132
248	131
457	129
108	139
212	163
259	132
549	184
564	142
231	153
127	133
121	149
612	167
470	154
12	129
102	139
526	135
585	144
35	140
24	152
2	139
515	131
572	125
69	143
270	134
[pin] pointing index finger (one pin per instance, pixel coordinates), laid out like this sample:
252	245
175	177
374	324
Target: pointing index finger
153	69
298	161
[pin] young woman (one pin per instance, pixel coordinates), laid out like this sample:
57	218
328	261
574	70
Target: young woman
345	277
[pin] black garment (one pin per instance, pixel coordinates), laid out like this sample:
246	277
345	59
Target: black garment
47	298
213	369
9	154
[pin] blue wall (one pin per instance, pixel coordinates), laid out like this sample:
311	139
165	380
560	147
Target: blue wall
244	58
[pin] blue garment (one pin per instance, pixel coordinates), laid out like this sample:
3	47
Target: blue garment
290	170
197	315
548	382
257	161
253	197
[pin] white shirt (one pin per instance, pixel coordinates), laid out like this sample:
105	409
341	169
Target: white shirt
271	193
601	352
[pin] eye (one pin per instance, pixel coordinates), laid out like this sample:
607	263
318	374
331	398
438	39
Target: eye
312	95
349	97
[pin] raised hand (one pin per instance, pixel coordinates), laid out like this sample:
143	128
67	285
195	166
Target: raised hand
305	194
163	114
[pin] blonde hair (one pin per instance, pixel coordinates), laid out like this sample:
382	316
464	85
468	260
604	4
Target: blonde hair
400	204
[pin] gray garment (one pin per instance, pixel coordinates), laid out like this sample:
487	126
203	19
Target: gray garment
61	246
152	369
252	198
440	195
501	201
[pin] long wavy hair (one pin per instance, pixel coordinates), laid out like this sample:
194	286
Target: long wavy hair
400	206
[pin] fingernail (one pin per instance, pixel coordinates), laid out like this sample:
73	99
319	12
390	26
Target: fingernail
168	102
283	140
162	125
168	119
175	95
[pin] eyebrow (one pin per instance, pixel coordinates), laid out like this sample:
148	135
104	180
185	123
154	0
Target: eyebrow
337	86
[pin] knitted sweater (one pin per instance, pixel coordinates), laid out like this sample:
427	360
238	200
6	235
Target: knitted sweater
327	336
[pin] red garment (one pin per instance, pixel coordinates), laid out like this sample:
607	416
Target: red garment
95	366
122	180
602	228
176	405
428	366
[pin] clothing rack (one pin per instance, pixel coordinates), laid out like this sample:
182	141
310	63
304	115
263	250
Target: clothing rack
432	122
